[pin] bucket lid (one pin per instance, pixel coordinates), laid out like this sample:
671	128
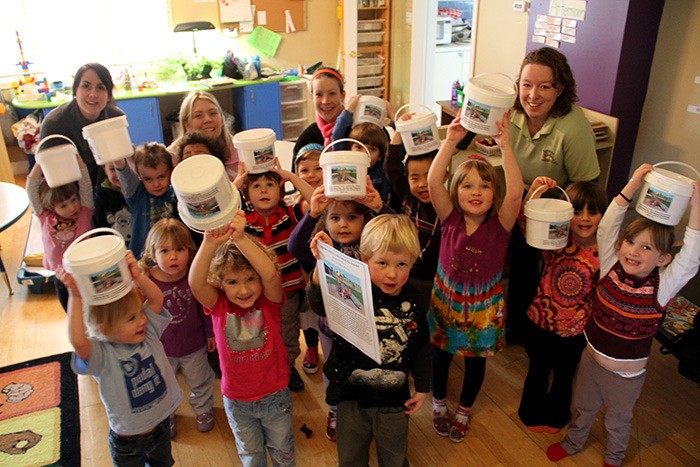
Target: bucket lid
549	210
85	250
107	124
344	157
420	120
197	173
670	181
256	135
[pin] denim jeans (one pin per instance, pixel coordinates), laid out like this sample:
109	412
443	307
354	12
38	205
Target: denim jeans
136	451
266	422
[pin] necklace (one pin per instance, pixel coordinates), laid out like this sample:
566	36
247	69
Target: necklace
432	234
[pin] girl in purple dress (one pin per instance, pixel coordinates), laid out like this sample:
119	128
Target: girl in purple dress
467	312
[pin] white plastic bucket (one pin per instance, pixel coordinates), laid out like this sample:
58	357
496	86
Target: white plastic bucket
344	172
206	199
547	221
98	265
109	139
486	98
665	195
256	148
58	163
370	109
420	133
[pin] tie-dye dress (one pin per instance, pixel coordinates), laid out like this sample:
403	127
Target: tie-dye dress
467	312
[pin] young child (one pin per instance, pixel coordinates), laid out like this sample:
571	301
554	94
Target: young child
374	400
554	333
197	142
65	212
147	191
343	220
244	296
410	183
111	209
166	259
271	221
467	314
628	308
119	345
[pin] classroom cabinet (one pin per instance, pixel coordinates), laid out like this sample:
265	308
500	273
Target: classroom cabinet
258	106
143	115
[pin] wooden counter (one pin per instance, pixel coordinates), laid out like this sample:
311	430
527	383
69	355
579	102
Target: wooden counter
448	111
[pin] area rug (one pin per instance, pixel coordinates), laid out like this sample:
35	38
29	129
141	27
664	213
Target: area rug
39	413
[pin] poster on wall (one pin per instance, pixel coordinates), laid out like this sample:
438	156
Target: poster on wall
234	11
560	24
572	9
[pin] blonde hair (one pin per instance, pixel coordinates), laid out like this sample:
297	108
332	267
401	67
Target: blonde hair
186	113
50	197
100	320
229	258
162	231
390	232
487	173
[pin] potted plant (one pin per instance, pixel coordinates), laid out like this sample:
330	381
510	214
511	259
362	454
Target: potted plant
195	66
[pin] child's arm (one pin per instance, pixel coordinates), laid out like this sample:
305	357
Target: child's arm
127	178
258	259
239	181
33	182
203	291
343	124
76	326
439	195
304	188
85	185
394	169
151	293
510	208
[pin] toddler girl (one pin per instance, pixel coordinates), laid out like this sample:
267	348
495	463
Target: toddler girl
467	312
166	259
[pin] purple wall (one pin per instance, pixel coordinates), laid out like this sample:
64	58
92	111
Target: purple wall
611	61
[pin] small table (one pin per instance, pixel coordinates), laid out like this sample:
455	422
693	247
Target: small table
13	203
448	111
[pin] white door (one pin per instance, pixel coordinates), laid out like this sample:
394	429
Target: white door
349	46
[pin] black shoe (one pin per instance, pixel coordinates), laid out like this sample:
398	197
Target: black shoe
295	382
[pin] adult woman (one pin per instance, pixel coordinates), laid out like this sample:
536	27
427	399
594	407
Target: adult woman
92	102
328	90
552	137
201	111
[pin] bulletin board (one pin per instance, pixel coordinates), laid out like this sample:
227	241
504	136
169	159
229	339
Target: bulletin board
274	11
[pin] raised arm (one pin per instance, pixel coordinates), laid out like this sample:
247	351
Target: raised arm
261	262
439	195
203	291
76	324
33	182
151	293
127	178
85	185
510	208
304	188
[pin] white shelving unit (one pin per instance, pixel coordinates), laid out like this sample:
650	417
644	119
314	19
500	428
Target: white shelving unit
293	102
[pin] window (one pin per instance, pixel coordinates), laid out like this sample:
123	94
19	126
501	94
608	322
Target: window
59	36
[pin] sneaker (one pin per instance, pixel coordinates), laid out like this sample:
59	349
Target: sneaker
173	428
295	382
459	429
441	423
205	421
550	429
330	425
311	361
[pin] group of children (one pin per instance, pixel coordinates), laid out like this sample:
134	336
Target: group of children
436	268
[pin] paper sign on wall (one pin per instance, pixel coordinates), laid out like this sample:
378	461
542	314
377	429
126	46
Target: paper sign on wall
234	11
574	9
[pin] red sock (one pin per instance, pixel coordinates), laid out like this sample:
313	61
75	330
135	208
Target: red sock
555	452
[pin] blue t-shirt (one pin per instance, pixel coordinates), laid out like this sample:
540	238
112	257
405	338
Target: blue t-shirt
137	385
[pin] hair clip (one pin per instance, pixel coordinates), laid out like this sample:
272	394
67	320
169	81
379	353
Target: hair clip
477	157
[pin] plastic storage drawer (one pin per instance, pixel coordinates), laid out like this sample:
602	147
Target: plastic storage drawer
369	81
377	92
369	37
292	91
368	70
371	58
293	110
370	25
292	129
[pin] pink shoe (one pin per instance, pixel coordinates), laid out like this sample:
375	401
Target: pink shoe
310	364
441	423
460	430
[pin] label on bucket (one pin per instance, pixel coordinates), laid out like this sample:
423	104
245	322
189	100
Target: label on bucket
265	157
655	204
546	235
423	136
557	233
204	204
481	118
108	285
372	112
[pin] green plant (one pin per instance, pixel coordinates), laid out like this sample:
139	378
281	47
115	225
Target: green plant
196	67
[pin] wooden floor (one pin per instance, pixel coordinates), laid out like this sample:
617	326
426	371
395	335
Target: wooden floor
665	430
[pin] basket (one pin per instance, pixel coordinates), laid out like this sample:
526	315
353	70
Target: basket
487	150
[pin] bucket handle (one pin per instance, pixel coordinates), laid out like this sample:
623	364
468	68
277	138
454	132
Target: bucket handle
54	136
346	139
545	186
90	233
396	116
510	80
679	163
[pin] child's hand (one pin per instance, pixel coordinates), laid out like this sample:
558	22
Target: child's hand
415	403
540	182
69	281
352	103
211	344
372	199
456	132
389	111
240	176
503	137
218	236
319	237
238	225
638	176
277	168
319	201
134	268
